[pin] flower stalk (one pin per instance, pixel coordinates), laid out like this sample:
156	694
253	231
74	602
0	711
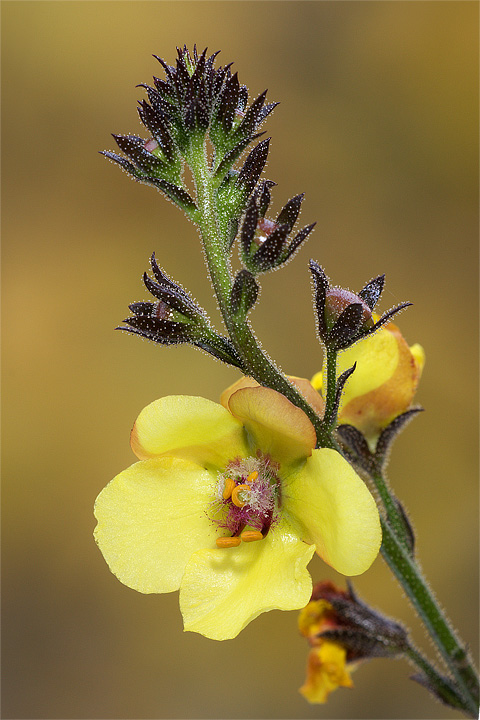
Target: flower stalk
454	654
199	115
257	364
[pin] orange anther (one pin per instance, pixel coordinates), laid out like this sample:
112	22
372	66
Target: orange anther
251	535
227	490
226	542
235	495
252	477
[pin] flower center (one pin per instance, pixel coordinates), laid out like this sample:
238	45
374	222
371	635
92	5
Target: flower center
247	498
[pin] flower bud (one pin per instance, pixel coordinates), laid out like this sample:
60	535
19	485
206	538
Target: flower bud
383	385
344	317
342	631
338	299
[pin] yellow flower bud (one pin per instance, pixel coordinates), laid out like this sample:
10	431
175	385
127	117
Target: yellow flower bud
384	382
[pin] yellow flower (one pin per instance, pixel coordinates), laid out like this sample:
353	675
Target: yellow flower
228	505
326	671
384	382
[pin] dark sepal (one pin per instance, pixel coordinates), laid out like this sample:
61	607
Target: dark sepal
165	332
227	162
331	420
321	285
388	435
134	149
143	308
370	294
362	644
255	115
269	253
289	213
176	194
221	348
249	226
229	102
244	293
195	111
253	166
361	630
171	293
124	164
386	317
356	447
346	327
298	240
263	196
157	126
265	111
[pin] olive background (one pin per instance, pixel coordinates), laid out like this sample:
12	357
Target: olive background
378	126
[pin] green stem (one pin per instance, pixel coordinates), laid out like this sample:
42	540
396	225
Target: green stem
422	598
442	687
258	364
394	516
331	368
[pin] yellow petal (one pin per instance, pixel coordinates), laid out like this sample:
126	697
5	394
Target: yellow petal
387	379
334	510
376	357
326	670
151	518
310	394
244	382
419	356
274	425
188	427
223	590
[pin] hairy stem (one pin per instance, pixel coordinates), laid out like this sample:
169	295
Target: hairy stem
422	598
256	361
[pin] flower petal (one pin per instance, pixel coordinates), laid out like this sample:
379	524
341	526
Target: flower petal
188	427
273	423
244	382
151	518
326	671
223	590
335	510
384	382
311	395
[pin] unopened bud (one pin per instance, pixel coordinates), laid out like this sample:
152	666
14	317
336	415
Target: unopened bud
342	631
337	300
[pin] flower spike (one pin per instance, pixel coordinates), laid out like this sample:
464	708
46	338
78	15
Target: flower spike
195	100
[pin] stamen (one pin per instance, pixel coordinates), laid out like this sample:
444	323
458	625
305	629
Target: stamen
252	477
227	490
226	542
235	495
251	535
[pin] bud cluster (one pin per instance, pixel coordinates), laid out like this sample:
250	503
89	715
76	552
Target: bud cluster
195	98
176	318
264	243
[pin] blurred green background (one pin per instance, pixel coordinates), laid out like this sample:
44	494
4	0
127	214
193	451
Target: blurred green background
378	125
